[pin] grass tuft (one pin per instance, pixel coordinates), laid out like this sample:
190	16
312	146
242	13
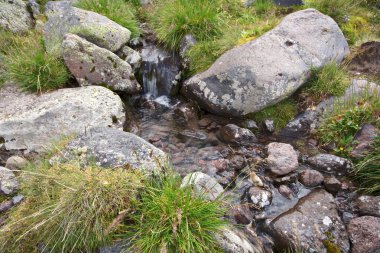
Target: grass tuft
330	80
171	219
367	171
27	64
122	12
281	113
68	209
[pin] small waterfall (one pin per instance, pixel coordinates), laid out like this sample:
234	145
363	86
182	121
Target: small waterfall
159	72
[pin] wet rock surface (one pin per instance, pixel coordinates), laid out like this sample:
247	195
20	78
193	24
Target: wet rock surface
113	148
32	122
234	241
282	158
93	65
364	234
312	223
63	19
268	69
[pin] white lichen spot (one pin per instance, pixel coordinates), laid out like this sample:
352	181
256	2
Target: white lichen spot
327	221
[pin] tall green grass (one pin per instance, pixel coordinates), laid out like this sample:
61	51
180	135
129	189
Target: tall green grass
336	9
67	208
172	219
28	65
122	12
173	19
367	171
330	80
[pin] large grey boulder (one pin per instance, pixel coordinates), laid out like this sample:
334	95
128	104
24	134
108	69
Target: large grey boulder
28	121
312	223
63	19
14	16
113	148
93	65
267	70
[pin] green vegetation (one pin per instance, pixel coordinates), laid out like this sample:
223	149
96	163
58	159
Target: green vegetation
68	209
27	64
171	219
281	113
340	126
122	12
336	9
367	171
330	80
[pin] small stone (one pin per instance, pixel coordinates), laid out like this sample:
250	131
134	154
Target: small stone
255	179
233	134
232	240
331	164
285	191
250	124
368	205
8	182
311	178
16	163
17	199
364	234
260	197
332	184
269	125
5	206
237	162
204	123
282	158
241	214
203	184
184	113
131	56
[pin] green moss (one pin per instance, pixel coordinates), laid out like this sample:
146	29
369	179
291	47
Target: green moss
331	247
281	113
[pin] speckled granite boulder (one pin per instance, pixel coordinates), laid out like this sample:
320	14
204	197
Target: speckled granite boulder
15	17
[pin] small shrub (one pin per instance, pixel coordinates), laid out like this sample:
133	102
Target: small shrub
367	171
122	12
330	80
171	219
355	29
173	19
68	209
27	64
340	126
281	113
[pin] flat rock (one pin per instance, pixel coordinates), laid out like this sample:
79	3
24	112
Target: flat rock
113	148
32	122
63	19
282	158
269	69
203	184
364	234
8	182
233	241
331	164
15	17
93	65
368	205
313	221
